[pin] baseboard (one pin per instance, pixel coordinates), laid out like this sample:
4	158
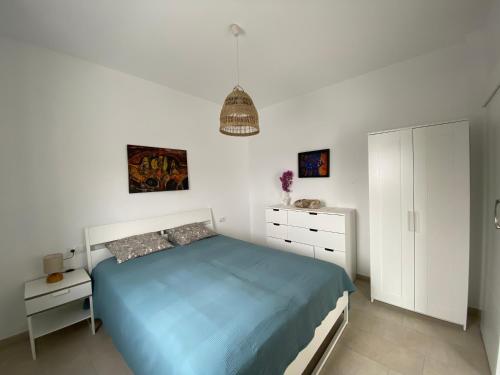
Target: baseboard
23	336
473	311
363	277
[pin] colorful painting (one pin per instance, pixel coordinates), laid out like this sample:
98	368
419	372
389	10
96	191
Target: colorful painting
314	163
156	169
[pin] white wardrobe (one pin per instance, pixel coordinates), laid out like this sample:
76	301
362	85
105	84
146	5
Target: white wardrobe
419	219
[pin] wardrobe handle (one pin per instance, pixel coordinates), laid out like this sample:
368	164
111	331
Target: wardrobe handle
497	219
275	209
288	241
313	230
276	224
313	213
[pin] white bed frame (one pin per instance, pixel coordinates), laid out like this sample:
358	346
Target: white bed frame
96	237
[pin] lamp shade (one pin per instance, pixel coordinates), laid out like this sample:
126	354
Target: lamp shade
53	263
238	116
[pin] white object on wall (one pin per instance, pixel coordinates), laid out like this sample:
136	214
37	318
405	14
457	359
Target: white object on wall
419	219
327	234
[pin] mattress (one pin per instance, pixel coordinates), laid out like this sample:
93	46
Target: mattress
217	306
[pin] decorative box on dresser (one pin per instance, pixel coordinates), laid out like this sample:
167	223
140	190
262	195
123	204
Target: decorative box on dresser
327	233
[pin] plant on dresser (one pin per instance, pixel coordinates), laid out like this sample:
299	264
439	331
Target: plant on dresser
327	233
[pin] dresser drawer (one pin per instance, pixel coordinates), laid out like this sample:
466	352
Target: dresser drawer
320	221
291	247
275	215
57	298
317	238
300	249
330	255
276	230
276	243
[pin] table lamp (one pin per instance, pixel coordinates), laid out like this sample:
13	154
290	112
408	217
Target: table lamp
53	266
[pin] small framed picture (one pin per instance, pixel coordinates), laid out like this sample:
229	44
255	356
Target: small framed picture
314	163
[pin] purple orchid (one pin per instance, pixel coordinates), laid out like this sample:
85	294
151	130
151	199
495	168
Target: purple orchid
286	180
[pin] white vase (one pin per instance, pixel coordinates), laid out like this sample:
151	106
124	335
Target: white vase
285	198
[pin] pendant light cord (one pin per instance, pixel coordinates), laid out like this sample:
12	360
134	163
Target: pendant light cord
237	62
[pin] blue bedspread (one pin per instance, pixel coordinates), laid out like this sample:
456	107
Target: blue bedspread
218	306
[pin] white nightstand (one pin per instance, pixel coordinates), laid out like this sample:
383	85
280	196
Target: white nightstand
50	307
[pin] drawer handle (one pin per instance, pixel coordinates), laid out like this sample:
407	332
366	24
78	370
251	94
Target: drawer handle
327	249
275	209
276	224
313	213
60	293
313	230
288	241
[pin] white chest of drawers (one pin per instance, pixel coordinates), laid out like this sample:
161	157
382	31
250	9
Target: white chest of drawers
327	234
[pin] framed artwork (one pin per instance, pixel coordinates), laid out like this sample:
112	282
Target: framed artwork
314	163
156	169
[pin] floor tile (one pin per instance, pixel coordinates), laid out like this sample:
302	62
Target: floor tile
110	362
436	367
349	362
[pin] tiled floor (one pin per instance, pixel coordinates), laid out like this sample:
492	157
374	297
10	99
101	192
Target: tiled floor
380	339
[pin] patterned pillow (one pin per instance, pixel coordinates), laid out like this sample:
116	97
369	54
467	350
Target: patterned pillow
186	234
137	246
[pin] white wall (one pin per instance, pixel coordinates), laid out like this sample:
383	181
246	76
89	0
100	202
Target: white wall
490	317
65	124
492	31
431	88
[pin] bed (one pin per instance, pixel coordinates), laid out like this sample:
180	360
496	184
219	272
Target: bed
216	306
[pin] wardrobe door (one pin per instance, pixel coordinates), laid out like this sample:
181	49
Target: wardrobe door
391	205
441	173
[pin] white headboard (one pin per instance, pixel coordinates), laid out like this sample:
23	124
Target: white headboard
101	234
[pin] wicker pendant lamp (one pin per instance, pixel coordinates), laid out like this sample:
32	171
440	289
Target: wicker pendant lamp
238	116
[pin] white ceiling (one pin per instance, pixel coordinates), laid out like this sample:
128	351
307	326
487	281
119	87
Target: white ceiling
291	46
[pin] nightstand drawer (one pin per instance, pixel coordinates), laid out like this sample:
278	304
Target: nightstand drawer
57	298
